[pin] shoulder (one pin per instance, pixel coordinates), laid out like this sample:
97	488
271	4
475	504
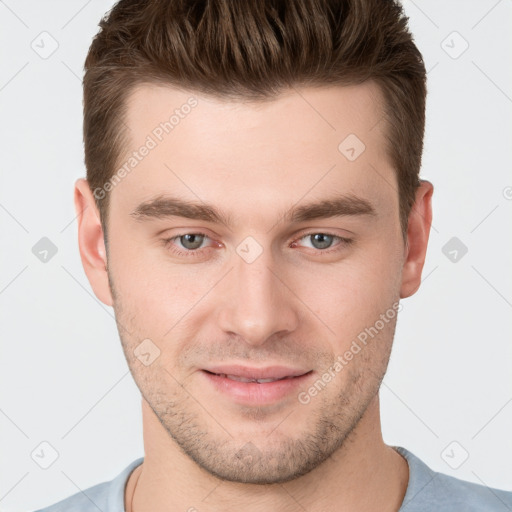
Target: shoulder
431	490
105	496
455	494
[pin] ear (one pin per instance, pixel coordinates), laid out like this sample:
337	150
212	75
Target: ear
91	242
418	231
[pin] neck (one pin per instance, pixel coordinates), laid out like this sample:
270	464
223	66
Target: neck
364	474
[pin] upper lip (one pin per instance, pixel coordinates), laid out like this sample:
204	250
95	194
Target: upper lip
269	372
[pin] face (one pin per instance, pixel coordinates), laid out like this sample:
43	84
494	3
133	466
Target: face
257	241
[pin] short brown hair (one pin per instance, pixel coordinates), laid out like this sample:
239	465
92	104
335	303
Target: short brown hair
252	50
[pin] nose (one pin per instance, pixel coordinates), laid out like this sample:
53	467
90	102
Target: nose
256	303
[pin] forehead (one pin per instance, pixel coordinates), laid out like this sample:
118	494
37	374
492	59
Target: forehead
307	113
304	142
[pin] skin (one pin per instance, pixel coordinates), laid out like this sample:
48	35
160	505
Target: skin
292	306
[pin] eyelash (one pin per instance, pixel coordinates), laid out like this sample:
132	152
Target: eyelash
343	242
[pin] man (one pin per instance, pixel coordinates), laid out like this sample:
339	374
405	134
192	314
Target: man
253	213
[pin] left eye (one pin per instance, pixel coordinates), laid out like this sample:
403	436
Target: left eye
320	240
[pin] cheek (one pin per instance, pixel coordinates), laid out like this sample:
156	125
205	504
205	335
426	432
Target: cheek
151	290
349	296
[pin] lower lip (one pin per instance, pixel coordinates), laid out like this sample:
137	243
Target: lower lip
255	393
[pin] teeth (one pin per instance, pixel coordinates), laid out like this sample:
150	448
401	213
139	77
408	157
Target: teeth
245	379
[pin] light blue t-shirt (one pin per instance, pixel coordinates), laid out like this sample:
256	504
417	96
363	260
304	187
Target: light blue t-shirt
427	491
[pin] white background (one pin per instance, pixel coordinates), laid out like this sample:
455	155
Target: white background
63	375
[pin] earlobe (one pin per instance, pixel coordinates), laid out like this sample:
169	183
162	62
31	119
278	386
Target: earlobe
418	231
91	242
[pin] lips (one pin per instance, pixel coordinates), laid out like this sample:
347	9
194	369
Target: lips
261	375
256	387
246	379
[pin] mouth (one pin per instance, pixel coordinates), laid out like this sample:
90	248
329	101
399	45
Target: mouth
256	386
239	378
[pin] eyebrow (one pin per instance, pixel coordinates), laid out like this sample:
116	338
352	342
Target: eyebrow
166	206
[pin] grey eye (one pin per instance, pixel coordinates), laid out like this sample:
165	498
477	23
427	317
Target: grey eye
192	241
321	240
